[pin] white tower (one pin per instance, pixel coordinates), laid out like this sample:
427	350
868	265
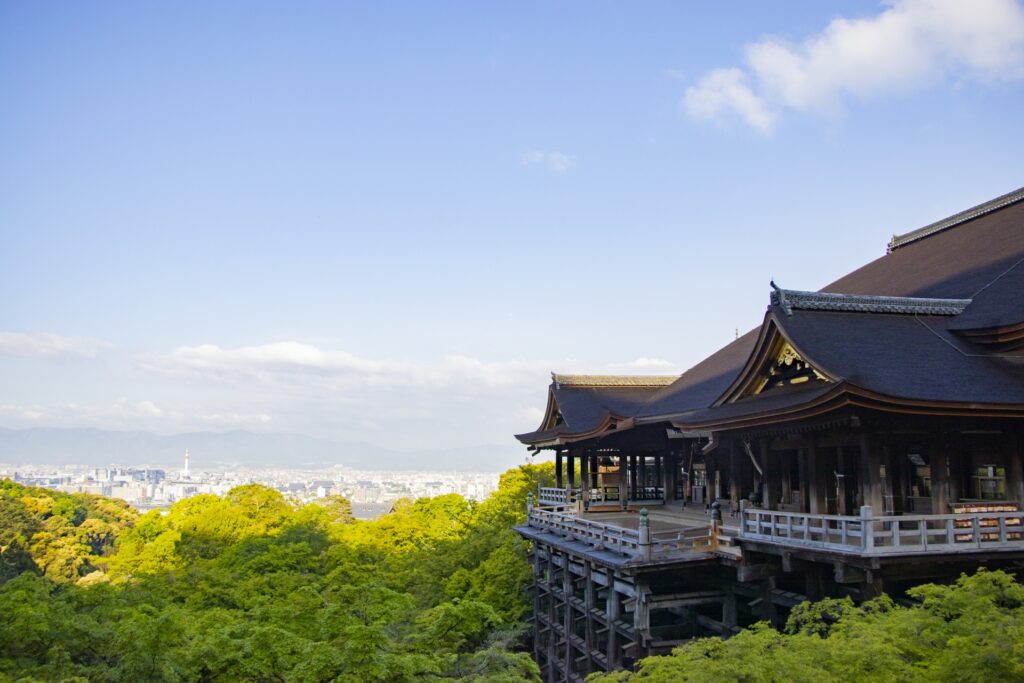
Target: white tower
184	472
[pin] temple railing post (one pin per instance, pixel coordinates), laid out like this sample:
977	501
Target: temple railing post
716	523
644	534
867	529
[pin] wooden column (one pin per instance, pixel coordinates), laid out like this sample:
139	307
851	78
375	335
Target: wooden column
841	484
558	468
612	615
567	617
641	617
585	479
769	485
571	471
668	477
552	613
784	461
623	480
589	604
632	476
1014	469
805	484
658	480
939	465
955	460
734	475
818	482
871	485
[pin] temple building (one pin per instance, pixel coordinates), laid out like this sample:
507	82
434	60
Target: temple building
862	439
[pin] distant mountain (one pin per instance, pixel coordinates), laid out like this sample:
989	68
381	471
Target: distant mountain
210	450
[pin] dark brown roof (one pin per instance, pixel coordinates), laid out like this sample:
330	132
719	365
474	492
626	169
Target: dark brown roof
893	328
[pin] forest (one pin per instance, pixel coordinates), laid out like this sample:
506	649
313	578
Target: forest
251	587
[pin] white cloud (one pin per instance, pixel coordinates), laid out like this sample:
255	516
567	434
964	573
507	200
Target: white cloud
125	413
644	363
911	45
48	345
556	162
291	362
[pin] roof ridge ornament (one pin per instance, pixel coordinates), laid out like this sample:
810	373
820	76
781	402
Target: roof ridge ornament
778	298
789	299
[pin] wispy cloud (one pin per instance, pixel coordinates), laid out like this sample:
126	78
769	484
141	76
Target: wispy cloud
292	361
645	364
911	45
125	413
49	345
554	161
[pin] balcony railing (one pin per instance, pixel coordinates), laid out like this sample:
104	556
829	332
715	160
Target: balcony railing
887	535
557	497
639	542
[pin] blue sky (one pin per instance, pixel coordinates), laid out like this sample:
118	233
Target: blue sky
390	221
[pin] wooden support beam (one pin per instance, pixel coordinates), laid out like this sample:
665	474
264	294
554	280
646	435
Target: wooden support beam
612	653
558	469
754	572
589	604
844	573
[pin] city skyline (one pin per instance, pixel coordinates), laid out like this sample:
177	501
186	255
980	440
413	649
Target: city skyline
373	223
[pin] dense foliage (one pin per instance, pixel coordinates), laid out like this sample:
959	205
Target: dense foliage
970	631
248	587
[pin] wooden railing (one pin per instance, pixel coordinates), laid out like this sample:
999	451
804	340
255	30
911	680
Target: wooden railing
887	535
640	542
556	497
601	536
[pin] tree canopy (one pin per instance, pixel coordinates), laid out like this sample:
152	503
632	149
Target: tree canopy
248	586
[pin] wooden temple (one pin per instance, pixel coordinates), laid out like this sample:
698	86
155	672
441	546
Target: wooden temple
862	439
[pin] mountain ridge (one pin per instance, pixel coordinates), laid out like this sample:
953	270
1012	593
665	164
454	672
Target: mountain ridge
236	448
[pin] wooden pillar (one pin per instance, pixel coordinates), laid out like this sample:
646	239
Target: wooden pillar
538	577
784	461
632	476
567	617
658	479
842	506
734	475
641	617
668	479
585	478
805	491
729	619
871	485
769	485
1014	469
954	458
558	469
552	614
589	604
818	481
623	480
613	654
939	466
571	469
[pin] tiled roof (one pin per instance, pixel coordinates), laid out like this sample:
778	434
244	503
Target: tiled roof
898	241
789	299
613	380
